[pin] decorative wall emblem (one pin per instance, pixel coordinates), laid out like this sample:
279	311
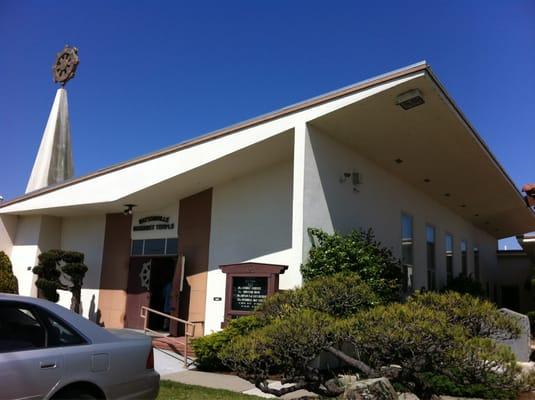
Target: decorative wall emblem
144	275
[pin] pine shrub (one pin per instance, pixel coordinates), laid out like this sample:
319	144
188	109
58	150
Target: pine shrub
8	281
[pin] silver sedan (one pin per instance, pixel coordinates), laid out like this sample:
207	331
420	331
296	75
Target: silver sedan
49	352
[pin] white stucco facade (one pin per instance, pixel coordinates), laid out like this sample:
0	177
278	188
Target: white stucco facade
251	221
86	235
378	204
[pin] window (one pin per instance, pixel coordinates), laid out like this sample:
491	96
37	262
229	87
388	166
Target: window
172	246
431	260
137	247
448	246
476	263
154	247
20	328
61	335
407	252
464	259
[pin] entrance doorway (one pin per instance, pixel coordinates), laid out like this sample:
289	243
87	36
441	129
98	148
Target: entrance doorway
150	284
161	285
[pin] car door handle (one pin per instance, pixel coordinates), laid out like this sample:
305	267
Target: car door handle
47	365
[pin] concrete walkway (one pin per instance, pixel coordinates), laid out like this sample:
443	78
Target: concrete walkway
171	367
227	382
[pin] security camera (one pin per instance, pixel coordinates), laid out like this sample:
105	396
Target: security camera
1	198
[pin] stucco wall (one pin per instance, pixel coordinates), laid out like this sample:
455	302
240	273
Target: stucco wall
251	221
381	198
35	234
86	235
8	232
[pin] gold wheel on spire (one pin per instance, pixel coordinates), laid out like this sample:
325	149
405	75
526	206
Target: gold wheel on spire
65	66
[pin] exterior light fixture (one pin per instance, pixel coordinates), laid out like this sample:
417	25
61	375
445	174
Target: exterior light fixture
356	179
129	209
412	98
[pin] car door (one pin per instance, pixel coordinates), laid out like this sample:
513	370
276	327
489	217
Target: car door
28	368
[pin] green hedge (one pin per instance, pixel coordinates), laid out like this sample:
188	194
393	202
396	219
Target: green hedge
207	348
8	281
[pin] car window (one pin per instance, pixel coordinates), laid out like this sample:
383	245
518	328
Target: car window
59	334
20	329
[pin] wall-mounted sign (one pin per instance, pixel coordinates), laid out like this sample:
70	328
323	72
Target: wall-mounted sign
154	222
248	292
248	284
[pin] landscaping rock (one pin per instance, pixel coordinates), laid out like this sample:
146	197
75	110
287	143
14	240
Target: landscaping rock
370	389
520	346
408	396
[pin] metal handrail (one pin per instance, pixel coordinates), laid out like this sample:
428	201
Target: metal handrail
144	314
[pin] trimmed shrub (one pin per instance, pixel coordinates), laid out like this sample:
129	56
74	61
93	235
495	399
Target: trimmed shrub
48	274
479	317
75	269
441	342
8	281
207	348
465	284
436	355
52	265
287	346
339	295
356	252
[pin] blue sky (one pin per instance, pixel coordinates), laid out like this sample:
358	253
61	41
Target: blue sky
154	73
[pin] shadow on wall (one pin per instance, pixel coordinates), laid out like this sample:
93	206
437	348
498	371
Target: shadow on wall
94	313
252	216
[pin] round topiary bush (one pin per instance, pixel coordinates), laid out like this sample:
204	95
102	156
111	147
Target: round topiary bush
8	281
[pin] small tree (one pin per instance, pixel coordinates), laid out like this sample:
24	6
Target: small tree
8	281
55	263
48	274
75	269
357	252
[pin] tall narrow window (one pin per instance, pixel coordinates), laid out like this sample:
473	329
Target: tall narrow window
476	263
448	246
407	253
430	240
464	258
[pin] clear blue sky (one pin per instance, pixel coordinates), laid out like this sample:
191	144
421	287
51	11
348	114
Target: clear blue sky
154	73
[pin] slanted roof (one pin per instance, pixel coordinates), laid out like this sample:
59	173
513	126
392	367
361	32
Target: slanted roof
364	116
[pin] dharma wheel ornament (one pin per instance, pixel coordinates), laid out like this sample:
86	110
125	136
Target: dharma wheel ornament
65	66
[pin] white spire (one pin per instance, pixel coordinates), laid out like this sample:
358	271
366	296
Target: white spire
53	163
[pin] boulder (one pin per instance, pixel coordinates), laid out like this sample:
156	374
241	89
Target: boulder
520	346
369	389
